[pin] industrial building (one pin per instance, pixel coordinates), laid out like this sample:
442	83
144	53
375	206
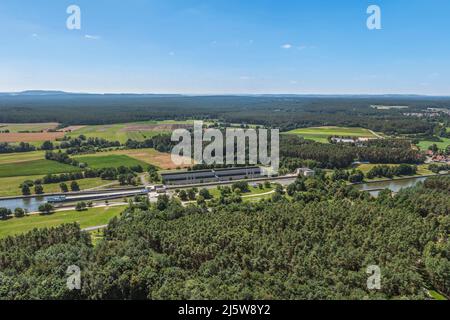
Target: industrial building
211	175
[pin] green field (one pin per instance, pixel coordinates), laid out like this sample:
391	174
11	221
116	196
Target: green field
21	156
253	191
34	167
90	218
10	186
321	134
122	132
424	145
99	160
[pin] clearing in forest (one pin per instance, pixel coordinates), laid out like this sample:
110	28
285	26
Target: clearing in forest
321	134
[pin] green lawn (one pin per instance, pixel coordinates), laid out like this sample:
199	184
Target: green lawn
90	218
253	191
99	160
34	167
436	296
321	134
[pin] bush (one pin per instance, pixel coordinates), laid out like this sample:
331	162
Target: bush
81	206
241	185
64	188
38	189
74	186
26	190
19	213
5	213
205	194
46	208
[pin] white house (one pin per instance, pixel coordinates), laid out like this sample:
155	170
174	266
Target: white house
306	172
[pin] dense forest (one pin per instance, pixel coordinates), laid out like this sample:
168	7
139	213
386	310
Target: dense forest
284	112
294	150
316	244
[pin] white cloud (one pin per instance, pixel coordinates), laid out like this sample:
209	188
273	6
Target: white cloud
286	46
171	53
91	37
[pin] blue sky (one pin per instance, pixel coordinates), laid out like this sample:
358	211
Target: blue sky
226	46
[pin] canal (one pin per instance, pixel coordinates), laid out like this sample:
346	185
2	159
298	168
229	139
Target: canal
393	185
32	204
29	204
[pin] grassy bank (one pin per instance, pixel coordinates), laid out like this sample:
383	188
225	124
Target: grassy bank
90	218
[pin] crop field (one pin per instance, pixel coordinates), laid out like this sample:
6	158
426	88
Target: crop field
30	137
32	127
100	160
136	131
144	156
90	218
34	167
21	157
321	134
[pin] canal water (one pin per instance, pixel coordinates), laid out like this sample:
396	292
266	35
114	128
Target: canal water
394	185
29	204
32	204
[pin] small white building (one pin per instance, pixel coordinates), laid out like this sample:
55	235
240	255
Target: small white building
306	172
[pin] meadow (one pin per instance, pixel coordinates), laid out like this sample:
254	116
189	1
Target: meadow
21	157
321	134
89	218
101	160
15	168
34	167
424	145
10	186
135	130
